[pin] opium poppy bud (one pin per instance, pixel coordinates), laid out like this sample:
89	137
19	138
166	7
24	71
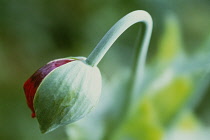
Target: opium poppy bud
62	91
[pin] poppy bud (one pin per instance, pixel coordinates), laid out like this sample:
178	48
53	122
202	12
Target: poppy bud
62	91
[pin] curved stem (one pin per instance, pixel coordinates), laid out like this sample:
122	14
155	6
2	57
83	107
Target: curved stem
112	35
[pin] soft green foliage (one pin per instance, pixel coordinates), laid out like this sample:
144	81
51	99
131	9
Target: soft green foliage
37	31
170	98
170	45
188	127
188	121
142	125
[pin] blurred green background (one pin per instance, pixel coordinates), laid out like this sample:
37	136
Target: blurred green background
175	94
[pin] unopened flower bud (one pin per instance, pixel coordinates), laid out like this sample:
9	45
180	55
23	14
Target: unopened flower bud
62	91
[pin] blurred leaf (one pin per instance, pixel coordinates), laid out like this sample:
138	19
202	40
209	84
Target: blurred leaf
169	99
188	127
188	121
143	125
170	46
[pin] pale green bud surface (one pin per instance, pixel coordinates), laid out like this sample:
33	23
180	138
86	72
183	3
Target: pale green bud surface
67	94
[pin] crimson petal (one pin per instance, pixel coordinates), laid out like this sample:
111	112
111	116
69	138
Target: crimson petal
31	85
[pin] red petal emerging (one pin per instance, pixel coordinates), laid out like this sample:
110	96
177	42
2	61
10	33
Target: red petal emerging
31	85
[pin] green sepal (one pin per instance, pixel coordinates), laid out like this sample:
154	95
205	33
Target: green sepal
66	95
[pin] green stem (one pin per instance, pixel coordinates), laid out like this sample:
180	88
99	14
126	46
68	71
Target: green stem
111	36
